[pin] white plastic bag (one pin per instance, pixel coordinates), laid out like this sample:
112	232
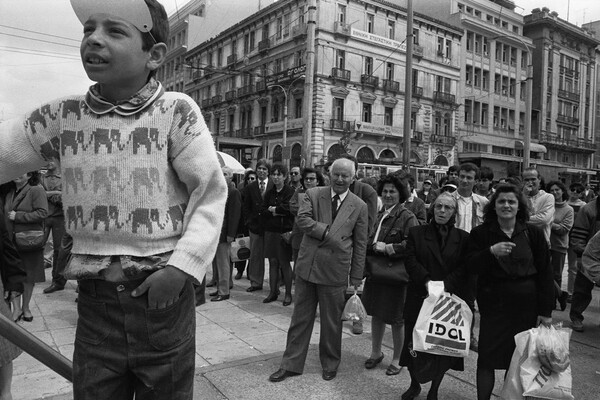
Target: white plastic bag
444	324
528	378
354	309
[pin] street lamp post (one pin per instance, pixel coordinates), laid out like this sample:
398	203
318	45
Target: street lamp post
285	115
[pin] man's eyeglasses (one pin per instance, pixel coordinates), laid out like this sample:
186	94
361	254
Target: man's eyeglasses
310	179
252	178
294	173
578	191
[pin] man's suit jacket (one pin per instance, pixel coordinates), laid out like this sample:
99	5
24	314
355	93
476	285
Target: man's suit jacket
369	196
252	205
325	256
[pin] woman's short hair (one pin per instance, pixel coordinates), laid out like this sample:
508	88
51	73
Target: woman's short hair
309	170
278	167
565	194
35	178
401	187
489	211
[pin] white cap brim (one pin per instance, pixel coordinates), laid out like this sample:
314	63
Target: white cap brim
135	12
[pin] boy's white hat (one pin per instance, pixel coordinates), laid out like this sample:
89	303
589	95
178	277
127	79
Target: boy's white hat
134	11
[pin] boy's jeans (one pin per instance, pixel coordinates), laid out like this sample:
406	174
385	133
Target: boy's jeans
122	347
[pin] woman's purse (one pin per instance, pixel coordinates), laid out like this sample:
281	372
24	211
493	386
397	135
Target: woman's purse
384	270
29	240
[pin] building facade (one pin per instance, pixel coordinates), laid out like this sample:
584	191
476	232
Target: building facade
565	77
248	76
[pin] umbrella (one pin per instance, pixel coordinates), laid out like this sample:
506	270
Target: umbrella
228	161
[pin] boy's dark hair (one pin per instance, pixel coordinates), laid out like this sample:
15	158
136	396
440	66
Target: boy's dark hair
486	173
452	168
160	26
469	167
35	178
565	194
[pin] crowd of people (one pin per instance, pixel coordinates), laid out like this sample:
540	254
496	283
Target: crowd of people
147	207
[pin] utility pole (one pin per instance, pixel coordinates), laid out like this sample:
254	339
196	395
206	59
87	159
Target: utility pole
408	85
307	106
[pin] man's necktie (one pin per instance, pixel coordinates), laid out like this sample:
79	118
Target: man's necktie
262	188
334	207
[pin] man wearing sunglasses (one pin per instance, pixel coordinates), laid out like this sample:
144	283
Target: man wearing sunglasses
295	178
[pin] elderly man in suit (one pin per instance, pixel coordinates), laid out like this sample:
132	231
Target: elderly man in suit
253	200
335	226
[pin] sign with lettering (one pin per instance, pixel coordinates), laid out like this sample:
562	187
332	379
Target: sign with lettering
296	123
288	74
372	38
367	127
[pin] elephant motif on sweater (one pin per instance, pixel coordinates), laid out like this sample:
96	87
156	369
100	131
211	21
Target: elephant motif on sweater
74	216
144	217
105	177
144	137
104	215
72	139
73	179
106	138
71	106
145	177
175	214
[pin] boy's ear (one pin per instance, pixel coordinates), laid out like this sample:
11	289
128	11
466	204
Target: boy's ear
158	53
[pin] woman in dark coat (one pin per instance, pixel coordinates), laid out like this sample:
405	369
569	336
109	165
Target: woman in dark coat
515	290
276	218
25	209
434	252
384	302
11	286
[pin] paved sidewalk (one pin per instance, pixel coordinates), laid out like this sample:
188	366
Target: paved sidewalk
239	343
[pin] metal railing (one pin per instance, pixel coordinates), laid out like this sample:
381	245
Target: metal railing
341	74
369	80
393	86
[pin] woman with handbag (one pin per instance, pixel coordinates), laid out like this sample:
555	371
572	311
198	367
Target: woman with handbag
515	289
277	219
25	209
11	286
385	287
434	252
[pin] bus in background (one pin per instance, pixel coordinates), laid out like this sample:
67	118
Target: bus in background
419	173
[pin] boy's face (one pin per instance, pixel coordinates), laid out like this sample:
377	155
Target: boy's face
112	55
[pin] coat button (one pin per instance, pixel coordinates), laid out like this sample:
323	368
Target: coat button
120	288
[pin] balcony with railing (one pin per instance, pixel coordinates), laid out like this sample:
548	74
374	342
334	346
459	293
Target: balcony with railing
417	91
390	85
444	97
442	139
571	143
244	132
573	96
416	136
205	103
231	59
569	72
264	45
341	28
417	50
259	130
369	80
216	99
299	30
245	90
567	119
340	125
340	74
261	86
231	95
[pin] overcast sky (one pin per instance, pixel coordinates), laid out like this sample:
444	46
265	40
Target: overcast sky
35	71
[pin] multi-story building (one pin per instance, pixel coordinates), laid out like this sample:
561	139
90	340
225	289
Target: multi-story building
492	96
594	29
249	75
565	83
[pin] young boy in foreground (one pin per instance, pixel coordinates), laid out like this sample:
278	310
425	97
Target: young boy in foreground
143	196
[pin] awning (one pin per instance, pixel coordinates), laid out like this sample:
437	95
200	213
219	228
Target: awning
580	171
535	147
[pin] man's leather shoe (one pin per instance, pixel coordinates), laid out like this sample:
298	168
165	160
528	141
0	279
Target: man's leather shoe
53	288
220	297
238	276
329	375
253	288
281	374
213	294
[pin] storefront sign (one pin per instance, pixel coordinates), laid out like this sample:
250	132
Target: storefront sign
296	123
288	74
369	37
378	129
